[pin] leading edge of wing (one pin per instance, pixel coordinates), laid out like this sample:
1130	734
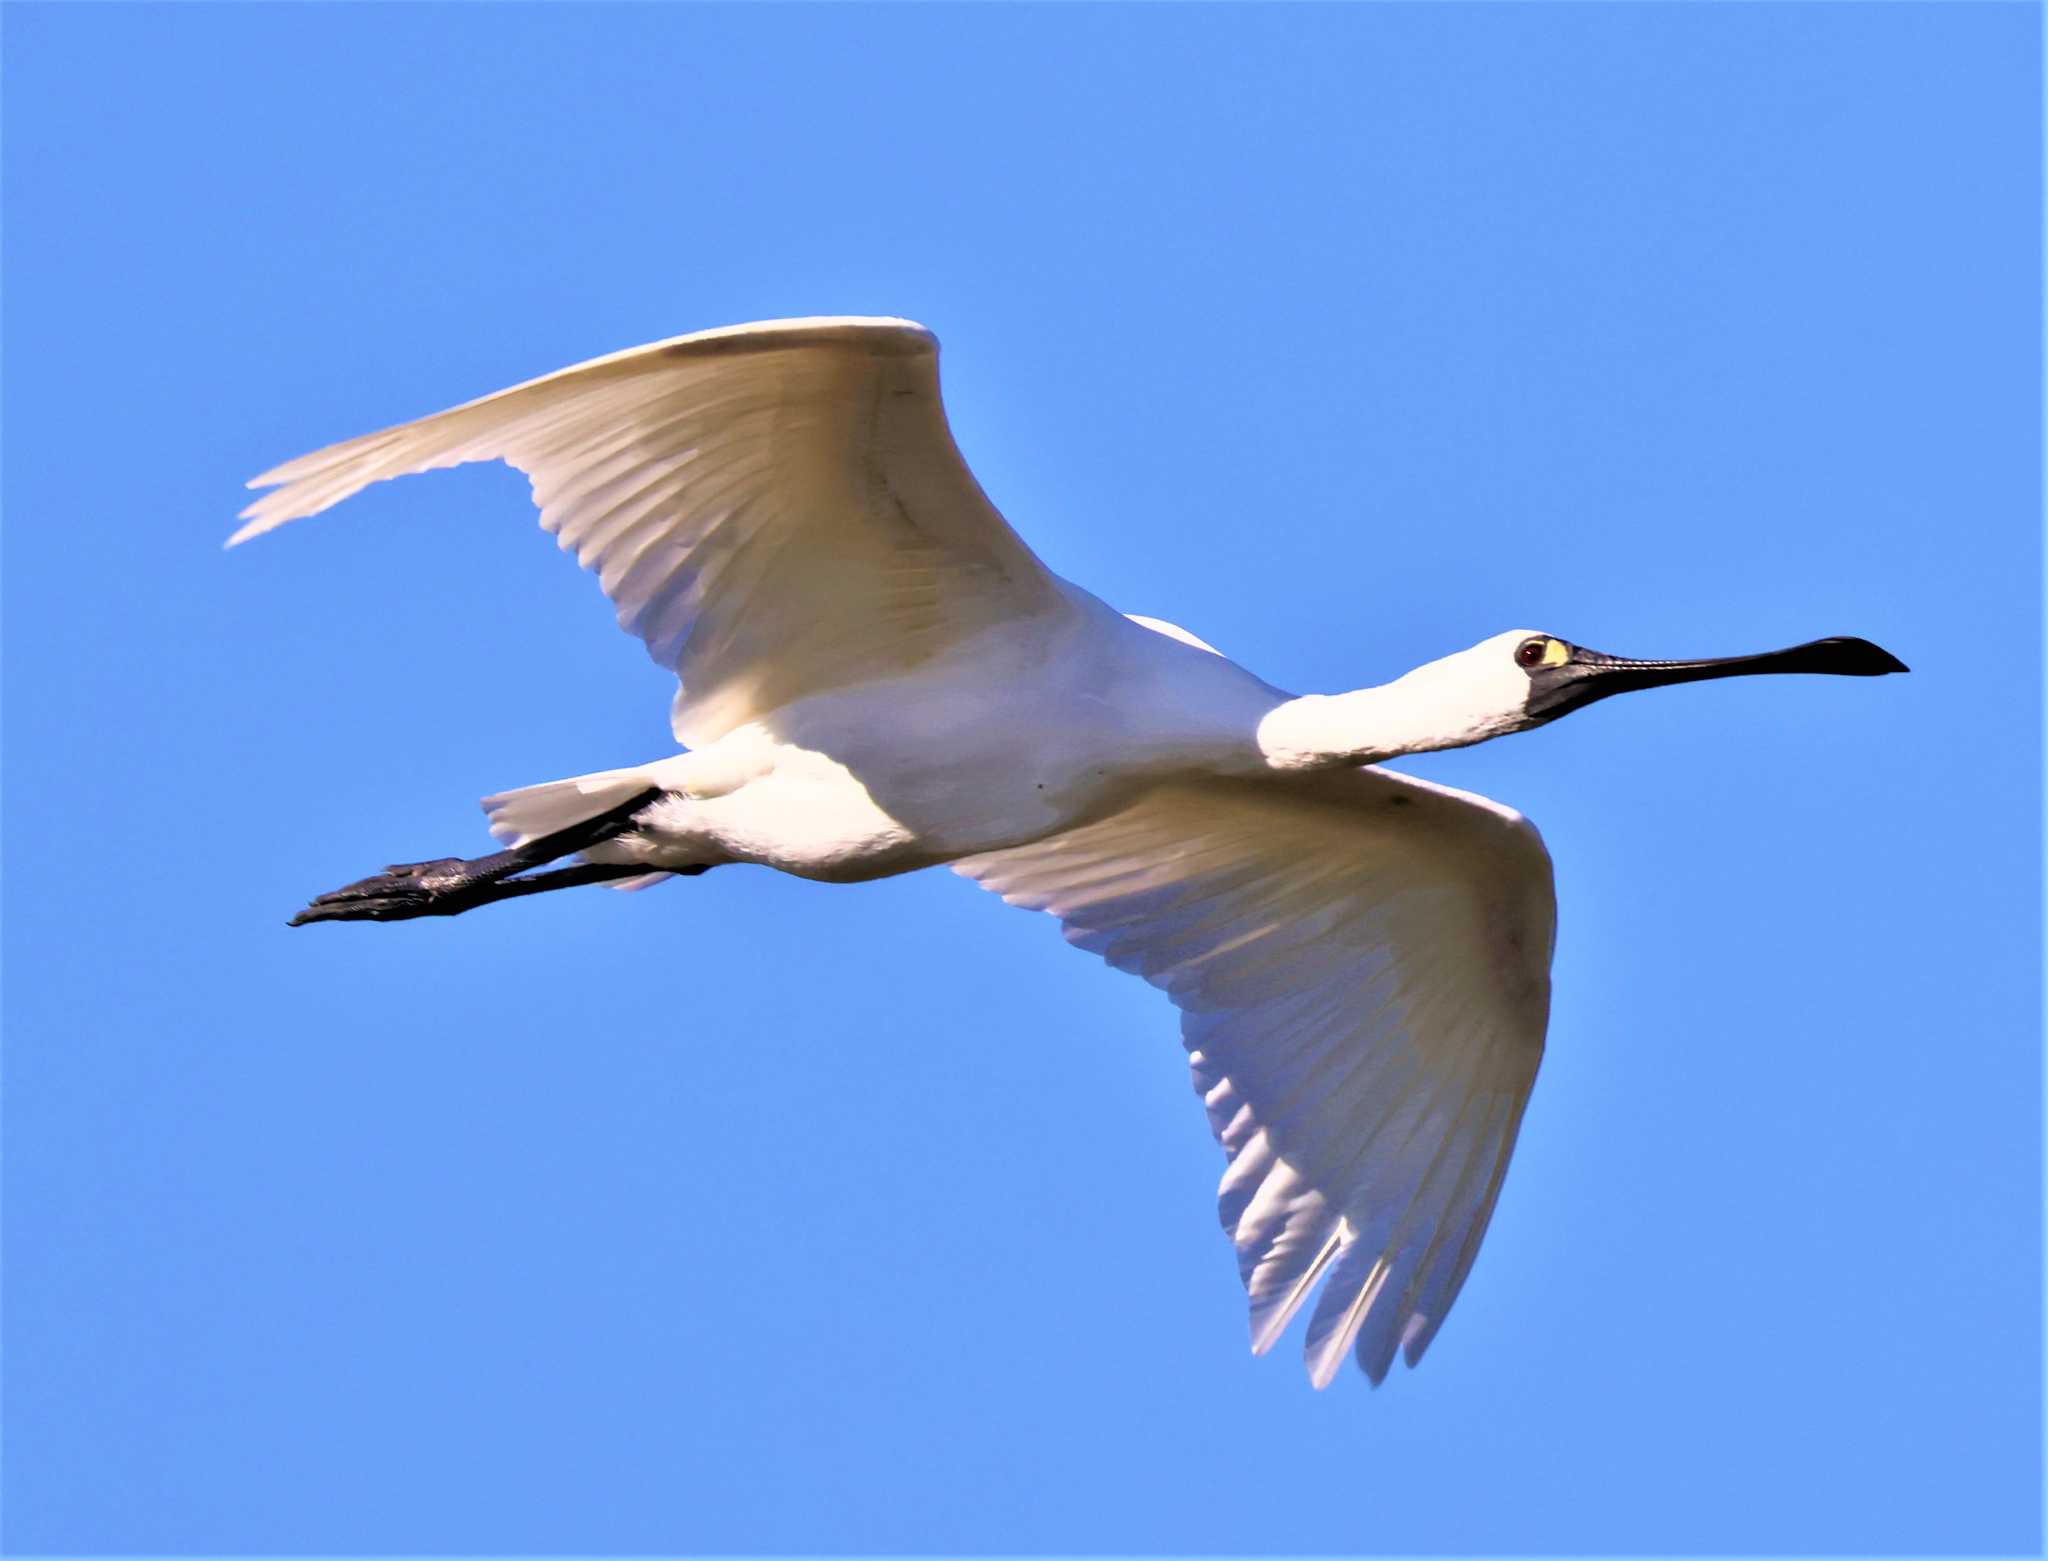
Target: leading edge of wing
881	334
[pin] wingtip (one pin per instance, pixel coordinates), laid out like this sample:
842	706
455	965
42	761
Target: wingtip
258	516
1415	1336
1321	1376
1323	1366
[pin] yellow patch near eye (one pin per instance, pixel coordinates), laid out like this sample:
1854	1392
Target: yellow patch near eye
1555	653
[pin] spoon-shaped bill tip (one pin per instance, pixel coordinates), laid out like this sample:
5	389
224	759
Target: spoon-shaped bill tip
1847	656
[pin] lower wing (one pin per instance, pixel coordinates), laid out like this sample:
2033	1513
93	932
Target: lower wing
1362	964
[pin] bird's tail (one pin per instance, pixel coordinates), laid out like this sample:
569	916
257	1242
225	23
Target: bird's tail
532	811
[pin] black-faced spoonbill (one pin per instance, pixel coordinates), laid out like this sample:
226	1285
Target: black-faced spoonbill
877	675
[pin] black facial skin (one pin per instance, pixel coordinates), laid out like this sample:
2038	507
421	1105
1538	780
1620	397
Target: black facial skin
1586	675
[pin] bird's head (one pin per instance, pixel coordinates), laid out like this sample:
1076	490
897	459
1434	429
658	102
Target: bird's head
1510	683
1557	677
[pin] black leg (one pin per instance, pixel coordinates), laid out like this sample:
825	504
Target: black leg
452	885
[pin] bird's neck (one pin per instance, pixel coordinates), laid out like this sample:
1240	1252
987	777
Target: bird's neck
1414	714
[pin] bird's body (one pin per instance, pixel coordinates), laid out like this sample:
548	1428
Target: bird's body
907	772
878	676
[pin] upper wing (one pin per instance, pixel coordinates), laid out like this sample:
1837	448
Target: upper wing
775	509
1362	964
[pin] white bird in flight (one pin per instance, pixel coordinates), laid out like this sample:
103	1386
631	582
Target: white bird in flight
877	676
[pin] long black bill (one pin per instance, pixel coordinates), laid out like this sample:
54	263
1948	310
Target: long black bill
1587	675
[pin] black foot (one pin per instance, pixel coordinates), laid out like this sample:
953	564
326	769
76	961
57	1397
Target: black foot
450	885
440	888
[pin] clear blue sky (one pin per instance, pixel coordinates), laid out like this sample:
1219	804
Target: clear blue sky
754	1215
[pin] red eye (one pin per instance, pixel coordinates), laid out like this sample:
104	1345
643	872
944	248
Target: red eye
1530	653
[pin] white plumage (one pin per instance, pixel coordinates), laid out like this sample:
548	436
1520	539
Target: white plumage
876	675
1362	964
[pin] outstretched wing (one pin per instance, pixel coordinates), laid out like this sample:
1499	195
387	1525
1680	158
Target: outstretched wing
1362	964
775	509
